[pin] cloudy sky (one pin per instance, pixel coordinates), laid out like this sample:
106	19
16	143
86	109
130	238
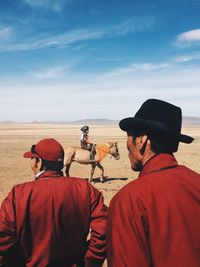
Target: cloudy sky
77	59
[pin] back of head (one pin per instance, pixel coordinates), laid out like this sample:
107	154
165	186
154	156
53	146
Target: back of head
50	152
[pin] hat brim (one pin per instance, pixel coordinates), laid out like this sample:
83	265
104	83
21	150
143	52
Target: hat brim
131	124
29	154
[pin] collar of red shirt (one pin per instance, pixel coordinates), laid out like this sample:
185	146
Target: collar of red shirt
158	163
50	174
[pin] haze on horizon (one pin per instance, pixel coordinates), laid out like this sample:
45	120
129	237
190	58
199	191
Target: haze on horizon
67	60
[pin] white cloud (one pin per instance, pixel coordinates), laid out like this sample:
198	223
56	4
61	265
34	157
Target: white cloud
185	58
139	67
55	5
131	25
188	38
51	73
152	67
5	33
55	41
99	95
69	38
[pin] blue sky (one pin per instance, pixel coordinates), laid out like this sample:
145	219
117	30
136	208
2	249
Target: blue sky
77	59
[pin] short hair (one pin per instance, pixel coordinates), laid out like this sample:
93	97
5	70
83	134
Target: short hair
52	165
160	143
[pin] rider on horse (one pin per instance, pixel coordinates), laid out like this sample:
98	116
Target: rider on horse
86	144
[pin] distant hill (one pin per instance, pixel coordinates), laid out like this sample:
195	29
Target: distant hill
191	120
7	122
95	122
186	121
84	122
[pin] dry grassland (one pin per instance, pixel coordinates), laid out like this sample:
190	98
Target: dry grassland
15	139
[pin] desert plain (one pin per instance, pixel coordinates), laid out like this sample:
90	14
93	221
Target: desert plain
16	138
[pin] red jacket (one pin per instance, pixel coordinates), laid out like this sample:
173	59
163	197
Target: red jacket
155	220
47	221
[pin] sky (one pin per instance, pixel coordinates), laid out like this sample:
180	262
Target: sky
64	60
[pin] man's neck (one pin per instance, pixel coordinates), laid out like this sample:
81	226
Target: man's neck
148	154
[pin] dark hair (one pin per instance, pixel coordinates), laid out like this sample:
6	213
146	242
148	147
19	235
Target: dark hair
160	143
52	165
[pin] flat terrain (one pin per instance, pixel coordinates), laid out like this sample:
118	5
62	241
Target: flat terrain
15	139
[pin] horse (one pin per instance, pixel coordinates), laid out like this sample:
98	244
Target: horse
82	156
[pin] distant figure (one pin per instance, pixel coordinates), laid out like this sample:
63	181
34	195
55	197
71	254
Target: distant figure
46	222
86	144
154	221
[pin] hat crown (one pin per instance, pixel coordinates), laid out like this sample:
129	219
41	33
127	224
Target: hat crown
50	149
161	113
46	149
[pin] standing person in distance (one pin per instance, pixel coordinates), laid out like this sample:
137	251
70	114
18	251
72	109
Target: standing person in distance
154	221
46	222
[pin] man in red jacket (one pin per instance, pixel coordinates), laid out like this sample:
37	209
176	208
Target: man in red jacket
46	222
154	221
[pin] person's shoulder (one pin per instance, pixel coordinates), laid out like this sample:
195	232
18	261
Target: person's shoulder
138	188
186	169
19	190
83	185
132	189
73	179
24	186
80	181
157	181
77	181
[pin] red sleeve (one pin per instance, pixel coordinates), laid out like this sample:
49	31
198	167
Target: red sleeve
7	225
96	252
127	233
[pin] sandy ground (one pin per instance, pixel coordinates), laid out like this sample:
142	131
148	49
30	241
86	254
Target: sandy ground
15	139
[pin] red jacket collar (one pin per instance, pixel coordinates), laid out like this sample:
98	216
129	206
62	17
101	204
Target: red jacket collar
50	174
158	162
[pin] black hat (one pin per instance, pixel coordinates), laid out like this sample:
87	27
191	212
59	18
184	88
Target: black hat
84	128
158	117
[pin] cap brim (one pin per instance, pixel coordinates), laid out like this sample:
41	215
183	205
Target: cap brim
29	154
131	124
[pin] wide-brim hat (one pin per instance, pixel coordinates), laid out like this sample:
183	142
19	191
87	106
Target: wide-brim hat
157	117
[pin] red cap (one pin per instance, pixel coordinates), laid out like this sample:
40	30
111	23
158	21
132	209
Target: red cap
47	149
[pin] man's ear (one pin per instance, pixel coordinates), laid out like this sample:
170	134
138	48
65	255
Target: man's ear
38	164
143	139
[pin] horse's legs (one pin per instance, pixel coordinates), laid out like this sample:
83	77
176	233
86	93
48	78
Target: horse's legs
67	169
102	171
92	171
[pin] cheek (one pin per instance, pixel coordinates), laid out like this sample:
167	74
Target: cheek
131	156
